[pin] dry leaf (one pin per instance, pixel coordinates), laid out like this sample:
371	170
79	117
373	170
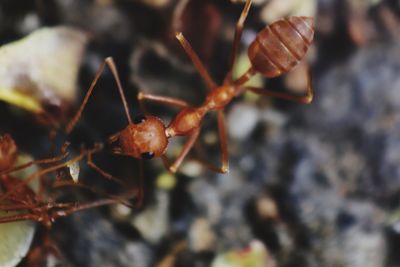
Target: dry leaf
40	70
277	9
16	239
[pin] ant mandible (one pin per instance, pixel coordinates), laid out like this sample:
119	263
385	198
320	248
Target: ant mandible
275	51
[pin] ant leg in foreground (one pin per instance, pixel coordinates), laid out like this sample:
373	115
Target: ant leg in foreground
64	154
224	168
40	173
83	206
236	40
185	150
18	217
37	254
104	173
111	64
195	60
307	99
62	210
62	184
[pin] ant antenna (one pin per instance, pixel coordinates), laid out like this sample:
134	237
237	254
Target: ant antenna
111	64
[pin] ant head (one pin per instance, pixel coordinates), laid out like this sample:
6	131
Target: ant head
8	152
144	138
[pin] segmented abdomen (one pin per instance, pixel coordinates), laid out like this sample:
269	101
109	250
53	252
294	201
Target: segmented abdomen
281	45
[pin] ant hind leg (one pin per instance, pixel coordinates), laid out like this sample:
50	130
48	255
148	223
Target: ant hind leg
195	60
305	99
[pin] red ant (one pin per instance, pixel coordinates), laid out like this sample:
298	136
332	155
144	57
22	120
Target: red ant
275	51
17	197
16	194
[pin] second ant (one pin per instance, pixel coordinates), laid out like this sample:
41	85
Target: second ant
276	50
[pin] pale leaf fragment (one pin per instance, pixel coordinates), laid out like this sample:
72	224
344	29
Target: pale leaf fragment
16	239
255	255
74	170
41	68
277	9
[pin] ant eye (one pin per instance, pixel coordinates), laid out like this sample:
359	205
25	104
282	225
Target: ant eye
147	155
139	119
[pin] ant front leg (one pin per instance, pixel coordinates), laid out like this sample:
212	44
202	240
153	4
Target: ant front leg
104	173
185	150
159	99
236	40
307	99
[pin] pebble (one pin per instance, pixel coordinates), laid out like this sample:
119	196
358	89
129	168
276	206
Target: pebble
241	120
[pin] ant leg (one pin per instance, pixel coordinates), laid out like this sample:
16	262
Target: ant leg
110	63
18	217
236	40
59	213
172	255
113	138
166	161
40	161
60	184
111	177
112	66
307	99
185	150
160	99
37	255
195	60
224	168
50	169
83	206
15	207
104	173
163	100
35	162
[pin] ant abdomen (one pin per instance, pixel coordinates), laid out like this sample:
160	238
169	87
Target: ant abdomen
281	45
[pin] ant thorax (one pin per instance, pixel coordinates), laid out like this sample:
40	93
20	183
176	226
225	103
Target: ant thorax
220	97
187	120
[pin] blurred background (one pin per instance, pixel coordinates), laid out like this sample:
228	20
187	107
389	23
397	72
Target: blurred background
309	185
